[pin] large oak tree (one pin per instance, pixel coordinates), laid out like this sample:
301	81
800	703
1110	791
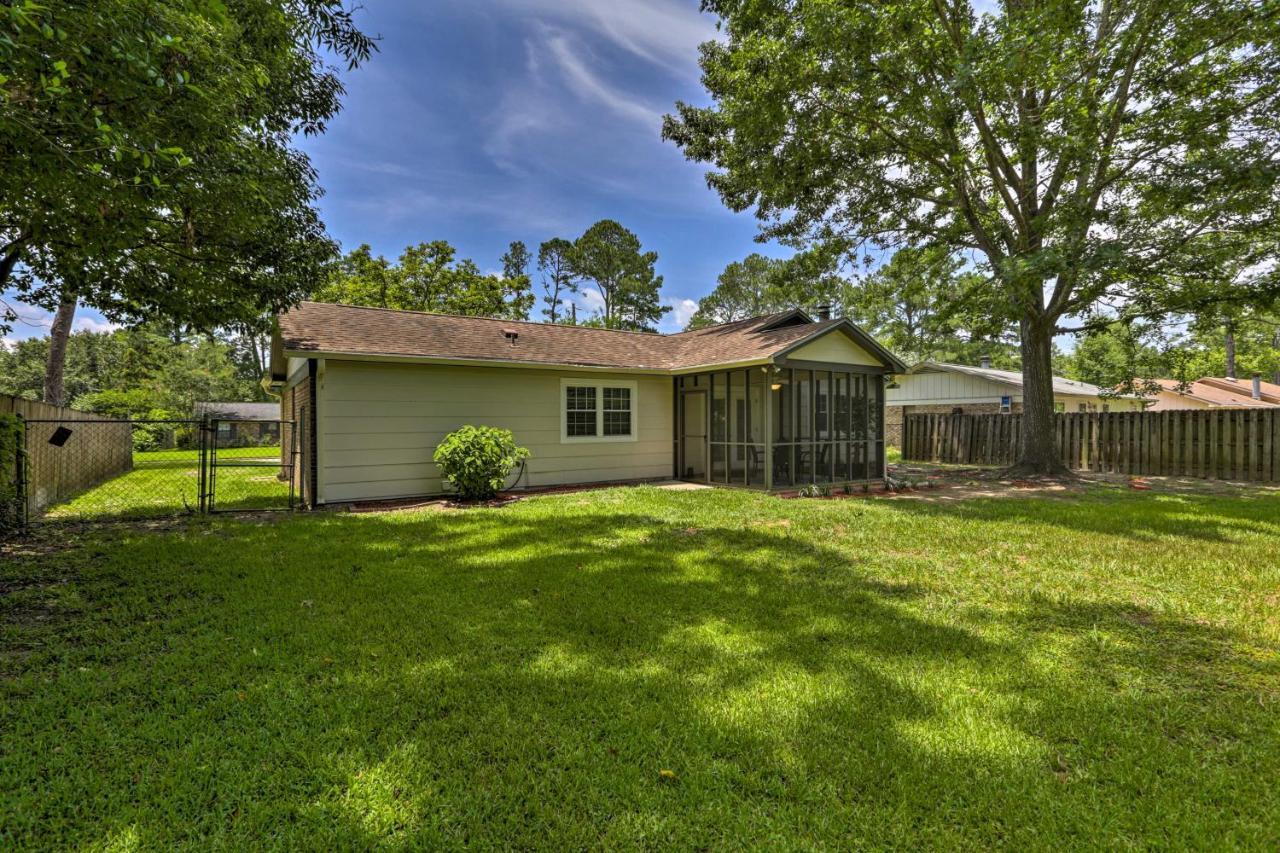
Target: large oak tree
1092	155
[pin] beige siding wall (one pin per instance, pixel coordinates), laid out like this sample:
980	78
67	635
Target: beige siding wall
1171	400
835	346
380	424
930	389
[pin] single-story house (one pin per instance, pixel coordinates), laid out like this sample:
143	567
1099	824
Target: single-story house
933	387
242	424
1215	393
770	402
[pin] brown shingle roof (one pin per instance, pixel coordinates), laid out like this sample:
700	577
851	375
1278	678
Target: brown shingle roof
1269	391
1210	392
325	328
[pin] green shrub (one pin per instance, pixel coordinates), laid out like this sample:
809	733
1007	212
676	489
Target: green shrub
152	437
478	460
10	444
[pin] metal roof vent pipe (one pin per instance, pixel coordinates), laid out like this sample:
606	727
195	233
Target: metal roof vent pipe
511	335
1257	386
824	313
984	362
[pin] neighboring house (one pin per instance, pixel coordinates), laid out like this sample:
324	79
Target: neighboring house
937	388
243	424
768	402
1214	393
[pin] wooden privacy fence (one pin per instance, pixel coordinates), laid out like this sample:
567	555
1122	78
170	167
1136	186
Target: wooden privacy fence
1224	444
77	465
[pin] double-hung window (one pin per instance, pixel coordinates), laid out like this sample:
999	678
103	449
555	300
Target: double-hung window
593	410
580	411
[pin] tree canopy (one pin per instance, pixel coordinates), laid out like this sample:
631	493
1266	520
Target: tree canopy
137	372
759	285
149	171
559	279
1126	356
610	257
1096	157
918	305
429	277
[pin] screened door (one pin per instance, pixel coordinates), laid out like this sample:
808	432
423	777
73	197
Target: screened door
693	435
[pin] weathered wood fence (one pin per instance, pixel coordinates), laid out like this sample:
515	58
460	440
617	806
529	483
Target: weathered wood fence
1224	444
76	466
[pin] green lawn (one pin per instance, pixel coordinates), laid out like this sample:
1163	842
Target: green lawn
638	667
166	482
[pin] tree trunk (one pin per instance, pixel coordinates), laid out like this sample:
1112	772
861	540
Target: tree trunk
1038	449
1231	350
1275	342
55	368
8	261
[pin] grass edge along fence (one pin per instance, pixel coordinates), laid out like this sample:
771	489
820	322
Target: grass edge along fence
1221	444
11	440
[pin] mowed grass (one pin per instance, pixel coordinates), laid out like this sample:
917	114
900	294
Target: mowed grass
166	482
647	668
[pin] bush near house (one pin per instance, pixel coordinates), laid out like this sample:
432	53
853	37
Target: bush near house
477	460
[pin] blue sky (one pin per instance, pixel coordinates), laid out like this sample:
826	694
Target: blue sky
486	122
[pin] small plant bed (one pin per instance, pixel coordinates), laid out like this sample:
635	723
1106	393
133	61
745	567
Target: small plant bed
880	488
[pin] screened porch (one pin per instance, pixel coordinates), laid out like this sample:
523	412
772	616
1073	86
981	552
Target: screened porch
777	427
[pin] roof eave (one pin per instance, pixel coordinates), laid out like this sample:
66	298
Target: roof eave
462	361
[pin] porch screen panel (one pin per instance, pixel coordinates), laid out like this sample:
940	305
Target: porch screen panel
875	437
823	445
782	395
737	391
755	436
719	428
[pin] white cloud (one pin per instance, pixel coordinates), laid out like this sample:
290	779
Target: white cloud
590	86
664	32
681	312
590	300
93	324
513	207
8	343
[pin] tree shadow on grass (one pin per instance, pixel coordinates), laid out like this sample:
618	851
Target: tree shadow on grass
492	679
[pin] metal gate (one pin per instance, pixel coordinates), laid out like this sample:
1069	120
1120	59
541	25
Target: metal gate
250	465
90	469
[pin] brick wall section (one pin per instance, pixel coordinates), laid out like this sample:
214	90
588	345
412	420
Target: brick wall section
893	416
295	405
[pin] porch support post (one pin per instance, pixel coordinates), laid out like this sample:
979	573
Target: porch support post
768	429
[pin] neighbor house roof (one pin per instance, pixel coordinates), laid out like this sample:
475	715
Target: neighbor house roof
231	411
323	328
1269	392
1063	386
1220	392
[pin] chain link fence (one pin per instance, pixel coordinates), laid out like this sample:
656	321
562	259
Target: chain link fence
100	469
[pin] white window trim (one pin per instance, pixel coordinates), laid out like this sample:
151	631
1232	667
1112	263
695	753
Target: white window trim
599	385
